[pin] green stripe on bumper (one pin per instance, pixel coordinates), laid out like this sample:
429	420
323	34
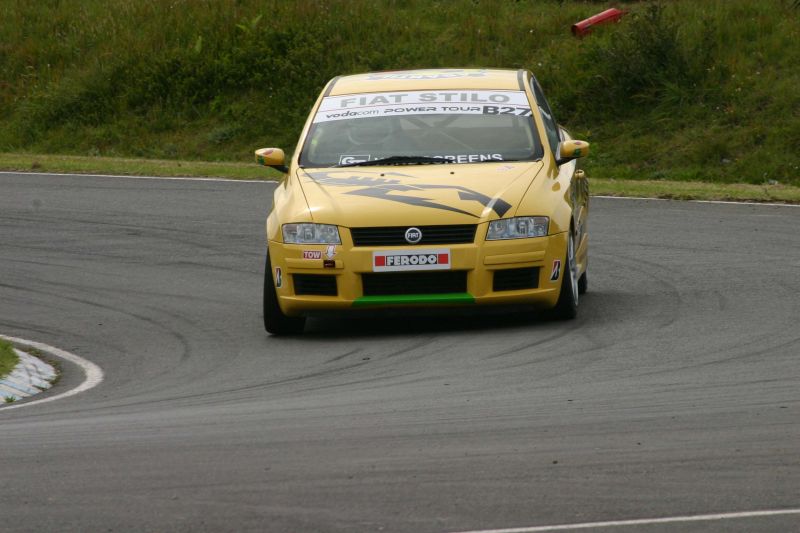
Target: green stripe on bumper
416	299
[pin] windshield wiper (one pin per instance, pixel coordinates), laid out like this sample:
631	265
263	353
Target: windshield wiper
396	160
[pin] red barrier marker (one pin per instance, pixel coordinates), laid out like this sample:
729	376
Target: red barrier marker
584	27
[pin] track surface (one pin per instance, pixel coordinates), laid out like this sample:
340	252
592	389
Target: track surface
676	392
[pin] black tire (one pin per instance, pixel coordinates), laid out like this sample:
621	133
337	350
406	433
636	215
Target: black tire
583	283
275	322
567	306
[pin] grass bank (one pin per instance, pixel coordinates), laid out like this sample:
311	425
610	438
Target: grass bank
678	91
135	166
8	359
679	190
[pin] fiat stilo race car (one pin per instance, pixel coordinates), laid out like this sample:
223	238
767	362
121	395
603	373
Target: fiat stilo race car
426	188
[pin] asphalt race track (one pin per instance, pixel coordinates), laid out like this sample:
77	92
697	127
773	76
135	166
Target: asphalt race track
675	393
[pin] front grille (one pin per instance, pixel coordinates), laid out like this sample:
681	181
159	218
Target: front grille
385	284
396	236
314	284
515	279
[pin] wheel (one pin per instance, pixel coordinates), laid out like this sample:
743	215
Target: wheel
567	306
275	322
583	283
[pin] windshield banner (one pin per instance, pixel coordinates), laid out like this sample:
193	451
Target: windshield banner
466	102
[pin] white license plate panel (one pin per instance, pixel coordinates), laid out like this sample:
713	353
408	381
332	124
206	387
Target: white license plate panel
408	260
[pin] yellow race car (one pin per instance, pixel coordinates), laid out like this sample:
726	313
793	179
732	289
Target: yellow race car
447	187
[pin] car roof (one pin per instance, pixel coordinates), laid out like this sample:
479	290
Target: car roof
428	79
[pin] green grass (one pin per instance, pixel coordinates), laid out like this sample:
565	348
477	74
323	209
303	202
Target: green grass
678	91
695	190
681	190
135	167
8	359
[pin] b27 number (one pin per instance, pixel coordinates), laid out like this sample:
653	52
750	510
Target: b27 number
506	110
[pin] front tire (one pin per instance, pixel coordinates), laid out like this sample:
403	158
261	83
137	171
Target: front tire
275	322
567	306
583	283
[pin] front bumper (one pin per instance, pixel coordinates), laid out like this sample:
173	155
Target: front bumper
479	261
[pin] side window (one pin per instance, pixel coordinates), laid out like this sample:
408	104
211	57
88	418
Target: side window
550	124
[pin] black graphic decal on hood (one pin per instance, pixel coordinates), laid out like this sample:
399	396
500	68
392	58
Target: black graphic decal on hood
375	187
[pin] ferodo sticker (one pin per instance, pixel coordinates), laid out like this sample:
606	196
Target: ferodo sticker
402	260
556	272
422	103
278	277
312	254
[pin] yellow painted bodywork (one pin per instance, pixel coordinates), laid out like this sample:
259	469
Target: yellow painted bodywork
270	157
530	188
573	149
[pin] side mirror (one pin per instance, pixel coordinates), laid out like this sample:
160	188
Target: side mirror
569	150
272	157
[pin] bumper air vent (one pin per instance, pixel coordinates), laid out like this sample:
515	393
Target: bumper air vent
515	279
414	283
314	284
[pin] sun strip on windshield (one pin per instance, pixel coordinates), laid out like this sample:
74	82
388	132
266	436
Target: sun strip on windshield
391	104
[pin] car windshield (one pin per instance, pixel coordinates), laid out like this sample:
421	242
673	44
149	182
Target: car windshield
422	127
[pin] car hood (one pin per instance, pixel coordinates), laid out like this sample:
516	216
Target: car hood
416	195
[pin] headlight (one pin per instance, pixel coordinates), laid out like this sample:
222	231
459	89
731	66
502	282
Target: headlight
517	228
311	234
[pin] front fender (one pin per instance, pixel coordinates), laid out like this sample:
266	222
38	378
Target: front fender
288	205
551	195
